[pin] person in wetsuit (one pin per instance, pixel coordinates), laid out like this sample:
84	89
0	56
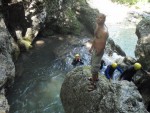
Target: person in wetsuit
129	73
110	70
77	60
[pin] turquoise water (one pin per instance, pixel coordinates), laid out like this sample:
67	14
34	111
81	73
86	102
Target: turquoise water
125	37
37	94
38	87
41	74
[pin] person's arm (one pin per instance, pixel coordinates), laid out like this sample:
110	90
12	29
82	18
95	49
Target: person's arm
119	69
73	62
122	75
107	72
92	46
104	63
81	62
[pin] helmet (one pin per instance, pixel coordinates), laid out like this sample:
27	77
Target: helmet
114	65
137	66
77	55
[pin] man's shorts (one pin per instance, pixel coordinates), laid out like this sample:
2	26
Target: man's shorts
95	62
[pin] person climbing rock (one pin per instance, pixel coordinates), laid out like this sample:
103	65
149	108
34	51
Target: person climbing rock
110	70
77	60
129	73
97	48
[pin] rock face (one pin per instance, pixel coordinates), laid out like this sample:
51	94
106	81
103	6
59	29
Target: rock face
143	44
114	47
143	52
24	20
7	68
69	17
118	97
143	85
4	107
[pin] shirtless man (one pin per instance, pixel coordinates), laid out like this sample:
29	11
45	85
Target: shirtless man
98	46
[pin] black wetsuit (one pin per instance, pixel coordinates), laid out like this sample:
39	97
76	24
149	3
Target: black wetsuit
102	64
128	74
76	62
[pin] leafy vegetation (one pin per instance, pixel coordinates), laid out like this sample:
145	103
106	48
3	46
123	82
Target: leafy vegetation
130	2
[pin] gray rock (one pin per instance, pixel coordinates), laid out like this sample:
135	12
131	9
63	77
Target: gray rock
7	68
143	45
70	17
114	47
142	52
119	97
4	107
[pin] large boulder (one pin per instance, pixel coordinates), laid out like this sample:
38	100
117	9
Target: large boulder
117	97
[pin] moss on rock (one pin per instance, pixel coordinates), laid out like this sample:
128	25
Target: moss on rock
69	17
25	44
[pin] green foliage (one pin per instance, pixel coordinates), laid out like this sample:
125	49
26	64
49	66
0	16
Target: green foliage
130	2
73	24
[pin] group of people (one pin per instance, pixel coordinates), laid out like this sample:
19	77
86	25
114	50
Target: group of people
97	50
110	69
124	75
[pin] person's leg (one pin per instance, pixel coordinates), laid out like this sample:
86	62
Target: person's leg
95	77
95	67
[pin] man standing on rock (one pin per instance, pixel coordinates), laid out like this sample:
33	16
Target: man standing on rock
97	48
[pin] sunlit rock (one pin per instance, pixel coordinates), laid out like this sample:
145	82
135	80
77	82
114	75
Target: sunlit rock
29	34
40	42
